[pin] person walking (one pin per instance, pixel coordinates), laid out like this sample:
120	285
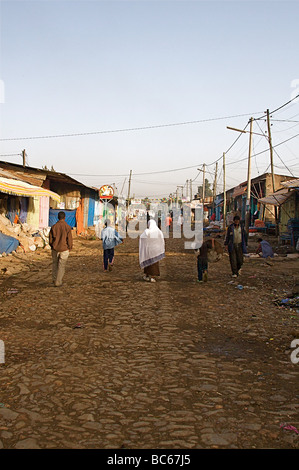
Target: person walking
61	242
168	222
110	239
202	260
236	244
151	251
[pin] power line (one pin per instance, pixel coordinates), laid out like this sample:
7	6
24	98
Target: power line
283	120
284	163
184	168
235	141
11	155
280	143
263	151
159	126
256	119
139	174
280	107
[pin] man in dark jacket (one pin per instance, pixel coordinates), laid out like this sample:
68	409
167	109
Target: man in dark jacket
236	243
61	242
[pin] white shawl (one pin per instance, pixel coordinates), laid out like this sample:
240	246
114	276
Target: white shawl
151	245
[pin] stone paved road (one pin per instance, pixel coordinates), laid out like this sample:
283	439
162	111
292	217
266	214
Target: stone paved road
173	365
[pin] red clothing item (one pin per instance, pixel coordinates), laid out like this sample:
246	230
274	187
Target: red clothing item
60	237
168	221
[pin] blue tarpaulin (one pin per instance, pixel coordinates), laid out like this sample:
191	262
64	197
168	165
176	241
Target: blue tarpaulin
70	217
7	244
91	207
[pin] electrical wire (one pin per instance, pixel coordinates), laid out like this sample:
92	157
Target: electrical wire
263	151
11	155
139	174
236	140
280	107
159	126
284	163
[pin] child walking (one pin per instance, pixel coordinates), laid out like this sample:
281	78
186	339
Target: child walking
111	239
202	260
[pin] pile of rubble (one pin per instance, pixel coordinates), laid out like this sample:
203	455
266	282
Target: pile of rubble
28	237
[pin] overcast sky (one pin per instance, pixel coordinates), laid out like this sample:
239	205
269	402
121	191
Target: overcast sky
152	84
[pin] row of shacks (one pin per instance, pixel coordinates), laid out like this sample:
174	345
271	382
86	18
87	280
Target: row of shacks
35	196
279	207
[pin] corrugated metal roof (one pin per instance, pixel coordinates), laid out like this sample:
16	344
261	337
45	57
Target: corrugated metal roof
22	175
239	191
36	175
291	183
277	198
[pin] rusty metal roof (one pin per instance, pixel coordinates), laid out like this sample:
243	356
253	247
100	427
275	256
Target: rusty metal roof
277	198
291	183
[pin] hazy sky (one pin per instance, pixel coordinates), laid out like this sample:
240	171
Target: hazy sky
113	67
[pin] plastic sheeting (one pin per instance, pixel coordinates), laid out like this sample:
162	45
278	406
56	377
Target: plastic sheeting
7	244
80	217
12	208
24	204
33	212
21	188
70	217
91	211
44	206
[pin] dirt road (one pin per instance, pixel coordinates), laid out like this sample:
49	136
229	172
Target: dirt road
110	361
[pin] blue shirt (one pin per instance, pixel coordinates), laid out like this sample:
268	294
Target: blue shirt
266	249
110	238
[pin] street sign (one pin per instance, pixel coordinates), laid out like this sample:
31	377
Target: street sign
106	192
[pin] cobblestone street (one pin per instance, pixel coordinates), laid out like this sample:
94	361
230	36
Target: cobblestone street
110	361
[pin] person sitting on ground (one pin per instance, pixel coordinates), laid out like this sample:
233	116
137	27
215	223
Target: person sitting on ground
264	249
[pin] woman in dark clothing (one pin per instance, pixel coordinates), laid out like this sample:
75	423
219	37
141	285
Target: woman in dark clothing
236	243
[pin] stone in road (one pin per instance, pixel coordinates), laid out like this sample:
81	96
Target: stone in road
110	361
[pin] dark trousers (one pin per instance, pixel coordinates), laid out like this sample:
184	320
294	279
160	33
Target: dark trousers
202	266
236	258
108	257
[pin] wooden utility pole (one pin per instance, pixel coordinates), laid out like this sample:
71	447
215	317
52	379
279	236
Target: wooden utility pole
203	184
272	167
215	186
24	157
182	189
247	215
224	195
187	189
129	189
191	190
271	150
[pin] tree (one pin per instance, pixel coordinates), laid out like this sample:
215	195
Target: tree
47	169
208	190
